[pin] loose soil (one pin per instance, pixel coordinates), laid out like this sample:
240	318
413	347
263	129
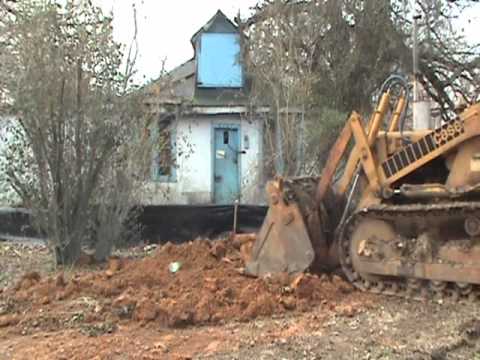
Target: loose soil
208	288
135	307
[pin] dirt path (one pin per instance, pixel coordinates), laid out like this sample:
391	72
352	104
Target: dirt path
391	330
137	309
394	329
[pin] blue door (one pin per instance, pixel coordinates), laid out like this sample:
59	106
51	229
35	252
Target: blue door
225	176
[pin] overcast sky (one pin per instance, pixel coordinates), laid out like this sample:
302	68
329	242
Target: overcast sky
165	27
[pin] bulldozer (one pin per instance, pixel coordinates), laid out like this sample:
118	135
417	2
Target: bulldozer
398	211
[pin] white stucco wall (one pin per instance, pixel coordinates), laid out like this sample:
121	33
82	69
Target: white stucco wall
194	180
8	197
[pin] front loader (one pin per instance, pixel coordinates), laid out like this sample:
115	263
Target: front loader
403	218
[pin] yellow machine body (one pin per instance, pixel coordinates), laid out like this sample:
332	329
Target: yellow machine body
405	205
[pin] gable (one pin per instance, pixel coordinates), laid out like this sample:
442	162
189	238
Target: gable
219	23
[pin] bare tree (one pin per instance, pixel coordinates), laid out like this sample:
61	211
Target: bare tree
350	45
449	66
279	58
82	124
330	57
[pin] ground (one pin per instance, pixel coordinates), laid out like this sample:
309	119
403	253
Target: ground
135	307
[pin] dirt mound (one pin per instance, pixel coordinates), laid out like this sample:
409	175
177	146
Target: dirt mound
178	285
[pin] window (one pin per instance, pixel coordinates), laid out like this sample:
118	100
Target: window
219	61
164	154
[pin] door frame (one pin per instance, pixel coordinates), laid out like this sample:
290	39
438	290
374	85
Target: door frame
214	127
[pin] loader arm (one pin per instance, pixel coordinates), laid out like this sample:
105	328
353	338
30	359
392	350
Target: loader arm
296	233
373	128
336	154
338	150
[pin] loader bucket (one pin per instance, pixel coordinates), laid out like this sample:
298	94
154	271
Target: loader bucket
283	243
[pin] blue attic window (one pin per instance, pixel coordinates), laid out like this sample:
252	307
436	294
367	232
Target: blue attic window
219	61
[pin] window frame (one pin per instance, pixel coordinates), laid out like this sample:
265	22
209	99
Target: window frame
229	41
155	168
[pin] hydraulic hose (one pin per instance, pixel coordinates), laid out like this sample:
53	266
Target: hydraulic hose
398	80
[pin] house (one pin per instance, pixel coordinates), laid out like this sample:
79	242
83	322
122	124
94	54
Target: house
9	126
210	143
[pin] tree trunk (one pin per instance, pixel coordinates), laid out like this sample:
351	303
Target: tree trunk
103	247
69	254
280	163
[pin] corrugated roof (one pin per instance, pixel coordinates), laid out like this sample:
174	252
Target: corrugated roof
183	71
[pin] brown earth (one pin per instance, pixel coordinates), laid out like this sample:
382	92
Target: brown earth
208	288
134	307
